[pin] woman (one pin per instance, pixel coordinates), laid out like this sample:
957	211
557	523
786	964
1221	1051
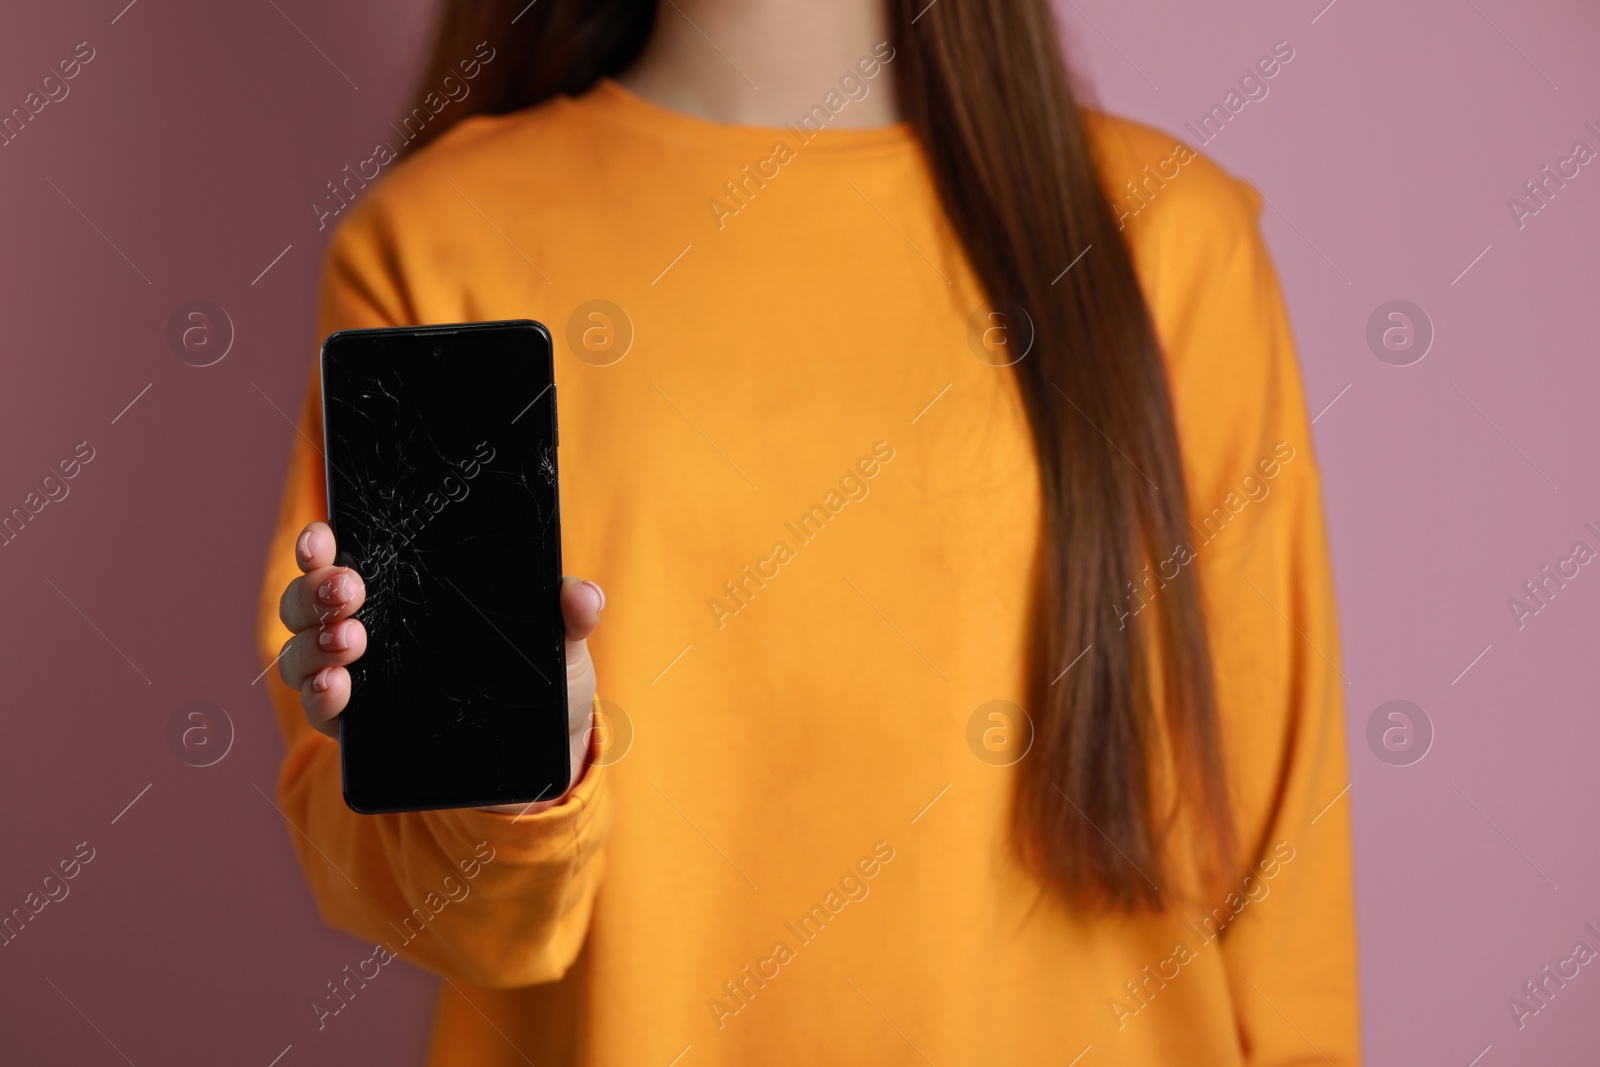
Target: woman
943	450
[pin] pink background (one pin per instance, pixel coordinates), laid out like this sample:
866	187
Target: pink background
196	137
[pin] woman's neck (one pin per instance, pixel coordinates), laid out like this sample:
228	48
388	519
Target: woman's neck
764	62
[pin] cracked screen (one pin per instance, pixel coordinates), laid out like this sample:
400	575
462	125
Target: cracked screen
441	453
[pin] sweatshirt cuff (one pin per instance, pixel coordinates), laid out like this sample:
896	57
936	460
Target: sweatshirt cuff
554	834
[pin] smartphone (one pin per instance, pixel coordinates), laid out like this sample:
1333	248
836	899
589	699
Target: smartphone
440	444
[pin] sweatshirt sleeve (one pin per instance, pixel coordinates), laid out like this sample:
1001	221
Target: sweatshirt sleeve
1287	927
1291	951
495	900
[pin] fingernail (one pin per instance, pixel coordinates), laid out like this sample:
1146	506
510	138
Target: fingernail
319	681
601	593
335	591
332	639
302	548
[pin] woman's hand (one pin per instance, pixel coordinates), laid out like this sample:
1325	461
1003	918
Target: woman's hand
317	607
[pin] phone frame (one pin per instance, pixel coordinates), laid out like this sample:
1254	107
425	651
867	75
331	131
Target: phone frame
358	804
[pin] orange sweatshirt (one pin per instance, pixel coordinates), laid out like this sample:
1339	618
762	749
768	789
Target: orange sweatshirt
813	508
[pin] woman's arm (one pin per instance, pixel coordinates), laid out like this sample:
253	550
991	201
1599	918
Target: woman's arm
490	898
1285	924
1291	951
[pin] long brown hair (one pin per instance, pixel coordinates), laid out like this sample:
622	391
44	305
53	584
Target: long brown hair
1130	733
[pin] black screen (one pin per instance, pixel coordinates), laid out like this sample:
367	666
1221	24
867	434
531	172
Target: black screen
442	495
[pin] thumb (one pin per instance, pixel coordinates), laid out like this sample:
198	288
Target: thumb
581	604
